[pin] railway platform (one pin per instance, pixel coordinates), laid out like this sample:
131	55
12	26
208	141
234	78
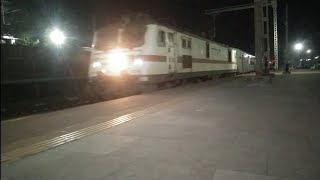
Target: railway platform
237	128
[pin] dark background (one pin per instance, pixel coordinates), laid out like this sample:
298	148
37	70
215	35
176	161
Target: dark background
235	29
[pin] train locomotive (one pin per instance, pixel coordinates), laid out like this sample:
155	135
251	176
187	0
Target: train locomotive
152	53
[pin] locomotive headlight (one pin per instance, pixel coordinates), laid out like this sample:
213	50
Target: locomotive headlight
138	62
103	71
118	61
96	64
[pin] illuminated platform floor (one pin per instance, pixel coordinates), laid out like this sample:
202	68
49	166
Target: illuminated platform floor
231	129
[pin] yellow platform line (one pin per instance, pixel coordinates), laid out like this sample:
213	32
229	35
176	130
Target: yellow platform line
69	137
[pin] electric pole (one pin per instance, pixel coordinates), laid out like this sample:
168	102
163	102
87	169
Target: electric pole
286	55
2	13
286	25
258	28
275	33
266	31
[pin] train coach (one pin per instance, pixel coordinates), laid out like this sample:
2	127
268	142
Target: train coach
154	53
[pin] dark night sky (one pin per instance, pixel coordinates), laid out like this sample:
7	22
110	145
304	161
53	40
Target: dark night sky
235	29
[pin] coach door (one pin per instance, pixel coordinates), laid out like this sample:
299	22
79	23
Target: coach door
172	52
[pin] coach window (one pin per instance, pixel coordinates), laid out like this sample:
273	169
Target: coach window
215	51
229	55
184	43
170	38
162	38
207	50
189	44
252	62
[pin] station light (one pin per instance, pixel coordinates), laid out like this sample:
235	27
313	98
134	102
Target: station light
298	46
57	37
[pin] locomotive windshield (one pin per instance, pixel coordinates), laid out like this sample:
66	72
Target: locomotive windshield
127	37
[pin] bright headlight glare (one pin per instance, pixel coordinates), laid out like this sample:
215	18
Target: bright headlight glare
96	64
103	71
118	61
138	62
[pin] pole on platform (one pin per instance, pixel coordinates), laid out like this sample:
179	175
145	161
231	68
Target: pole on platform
275	33
266	30
2	13
286	55
258	24
286	26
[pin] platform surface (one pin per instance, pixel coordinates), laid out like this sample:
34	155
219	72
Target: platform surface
235	129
